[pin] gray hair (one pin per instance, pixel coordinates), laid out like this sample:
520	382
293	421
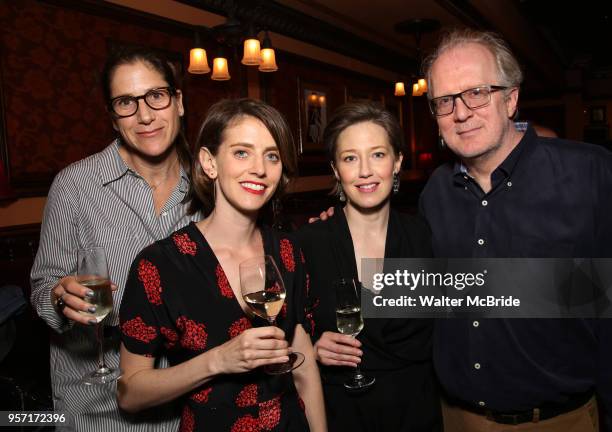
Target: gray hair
508	68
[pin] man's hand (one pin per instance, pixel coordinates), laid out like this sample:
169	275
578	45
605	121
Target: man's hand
323	216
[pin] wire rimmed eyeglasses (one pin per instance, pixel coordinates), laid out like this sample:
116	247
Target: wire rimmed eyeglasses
157	99
473	98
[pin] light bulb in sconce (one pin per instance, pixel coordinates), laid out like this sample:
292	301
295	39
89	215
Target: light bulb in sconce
252	52
268	56
399	89
198	62
422	85
220	69
416	91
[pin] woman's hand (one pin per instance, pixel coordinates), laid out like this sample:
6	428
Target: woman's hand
74	298
252	348
336	349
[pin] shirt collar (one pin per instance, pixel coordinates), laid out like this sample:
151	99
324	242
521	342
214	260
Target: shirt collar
507	167
113	167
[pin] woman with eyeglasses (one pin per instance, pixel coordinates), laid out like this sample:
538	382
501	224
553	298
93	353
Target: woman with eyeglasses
123	198
364	145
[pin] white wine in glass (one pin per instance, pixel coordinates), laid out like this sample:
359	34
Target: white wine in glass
265	304
264	293
350	322
92	272
102	298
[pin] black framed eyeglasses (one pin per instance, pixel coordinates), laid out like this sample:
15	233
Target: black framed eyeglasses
157	99
473	98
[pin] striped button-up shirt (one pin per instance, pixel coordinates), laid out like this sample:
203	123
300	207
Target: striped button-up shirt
98	201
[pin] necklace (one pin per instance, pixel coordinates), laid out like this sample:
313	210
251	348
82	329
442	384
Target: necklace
169	174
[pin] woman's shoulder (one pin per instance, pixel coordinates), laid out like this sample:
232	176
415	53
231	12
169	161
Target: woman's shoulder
180	242
308	230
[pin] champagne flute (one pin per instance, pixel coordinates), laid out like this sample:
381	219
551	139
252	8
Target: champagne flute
264	292
92	272
350	322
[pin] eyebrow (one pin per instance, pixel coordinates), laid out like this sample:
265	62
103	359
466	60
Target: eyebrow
372	149
146	91
249	145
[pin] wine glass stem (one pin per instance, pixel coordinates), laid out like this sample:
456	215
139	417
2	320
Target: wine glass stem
100	335
357	374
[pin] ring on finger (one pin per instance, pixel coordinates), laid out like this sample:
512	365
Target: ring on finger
60	304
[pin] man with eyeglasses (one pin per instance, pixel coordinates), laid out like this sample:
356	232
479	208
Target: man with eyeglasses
513	194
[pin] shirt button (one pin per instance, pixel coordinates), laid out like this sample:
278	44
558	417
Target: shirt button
509	184
481	242
475	323
476	366
484	203
164	213
481	403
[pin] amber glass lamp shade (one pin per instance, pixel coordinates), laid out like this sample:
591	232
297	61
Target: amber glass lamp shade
422	85
198	62
399	89
220	69
252	54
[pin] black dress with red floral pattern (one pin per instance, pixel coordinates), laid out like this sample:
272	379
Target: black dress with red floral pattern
178	303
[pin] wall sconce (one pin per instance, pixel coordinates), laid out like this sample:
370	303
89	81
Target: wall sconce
268	56
231	34
252	52
198	62
422	85
417	27
399	89
220	69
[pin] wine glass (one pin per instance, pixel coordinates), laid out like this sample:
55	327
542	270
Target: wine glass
350	322
264	292
92	272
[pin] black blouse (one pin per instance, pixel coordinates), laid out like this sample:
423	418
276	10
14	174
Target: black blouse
388	344
178	303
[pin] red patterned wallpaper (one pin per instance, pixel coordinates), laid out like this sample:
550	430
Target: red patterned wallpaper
51	58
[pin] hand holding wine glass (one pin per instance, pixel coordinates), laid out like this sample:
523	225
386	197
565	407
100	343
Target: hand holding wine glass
350	322
92	273
264	292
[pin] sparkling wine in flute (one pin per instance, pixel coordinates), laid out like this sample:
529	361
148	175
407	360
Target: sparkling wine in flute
349	321
265	304
102	298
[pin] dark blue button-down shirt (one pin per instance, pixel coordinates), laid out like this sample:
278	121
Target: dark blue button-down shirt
549	198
